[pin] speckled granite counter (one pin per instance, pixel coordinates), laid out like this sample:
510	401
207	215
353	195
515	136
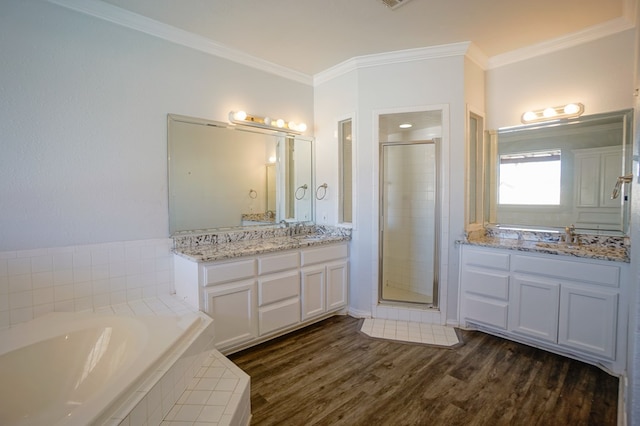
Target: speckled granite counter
589	246
228	245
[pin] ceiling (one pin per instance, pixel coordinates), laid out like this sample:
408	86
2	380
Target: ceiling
310	36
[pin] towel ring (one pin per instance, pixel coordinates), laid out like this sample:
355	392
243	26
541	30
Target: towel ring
304	191
324	193
253	194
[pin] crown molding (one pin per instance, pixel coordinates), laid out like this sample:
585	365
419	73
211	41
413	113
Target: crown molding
588	34
119	16
125	18
401	56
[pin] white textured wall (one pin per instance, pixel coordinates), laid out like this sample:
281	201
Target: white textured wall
383	89
599	74
83	107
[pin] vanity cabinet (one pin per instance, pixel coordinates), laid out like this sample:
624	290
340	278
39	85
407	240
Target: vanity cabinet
568	305
324	280
254	298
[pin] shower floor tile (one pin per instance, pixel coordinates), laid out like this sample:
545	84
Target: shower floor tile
414	332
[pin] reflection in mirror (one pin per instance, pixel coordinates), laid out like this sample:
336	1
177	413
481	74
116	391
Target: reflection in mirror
297	174
562	173
223	176
345	141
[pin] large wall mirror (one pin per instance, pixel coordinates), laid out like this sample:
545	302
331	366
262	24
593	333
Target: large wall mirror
553	175
225	176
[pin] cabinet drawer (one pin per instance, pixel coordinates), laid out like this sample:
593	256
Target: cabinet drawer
275	288
486	259
575	271
486	283
491	312
324	254
215	274
279	315
279	262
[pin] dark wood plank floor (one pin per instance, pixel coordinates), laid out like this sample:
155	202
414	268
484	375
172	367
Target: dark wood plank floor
331	374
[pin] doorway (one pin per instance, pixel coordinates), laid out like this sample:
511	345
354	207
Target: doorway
409	225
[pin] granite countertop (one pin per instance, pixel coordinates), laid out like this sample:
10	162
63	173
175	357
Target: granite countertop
229	250
614	252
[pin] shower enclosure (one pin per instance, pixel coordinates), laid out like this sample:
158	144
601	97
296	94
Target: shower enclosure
409	208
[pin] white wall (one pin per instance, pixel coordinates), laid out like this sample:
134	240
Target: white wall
383	89
598	74
83	105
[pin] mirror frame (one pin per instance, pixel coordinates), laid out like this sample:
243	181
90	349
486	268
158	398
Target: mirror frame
280	202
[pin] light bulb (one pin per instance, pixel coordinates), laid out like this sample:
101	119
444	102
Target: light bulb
571	109
280	122
292	125
302	127
405	125
549	112
240	115
272	159
529	115
267	121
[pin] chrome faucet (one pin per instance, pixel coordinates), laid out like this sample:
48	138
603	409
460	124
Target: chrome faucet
569	234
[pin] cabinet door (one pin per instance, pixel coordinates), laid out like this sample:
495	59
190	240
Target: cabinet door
313	291
279	315
588	320
611	168
233	308
534	308
587	178
337	285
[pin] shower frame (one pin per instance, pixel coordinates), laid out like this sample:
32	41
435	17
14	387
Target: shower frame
436	229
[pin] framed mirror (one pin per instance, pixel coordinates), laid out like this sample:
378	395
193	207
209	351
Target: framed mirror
563	173
227	176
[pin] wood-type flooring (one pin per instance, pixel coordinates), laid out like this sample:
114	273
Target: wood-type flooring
330	373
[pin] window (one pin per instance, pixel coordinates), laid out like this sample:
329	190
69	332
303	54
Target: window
345	140
530	178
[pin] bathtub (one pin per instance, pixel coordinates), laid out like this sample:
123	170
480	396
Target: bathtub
72	368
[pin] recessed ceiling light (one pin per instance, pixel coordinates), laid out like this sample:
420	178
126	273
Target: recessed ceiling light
405	125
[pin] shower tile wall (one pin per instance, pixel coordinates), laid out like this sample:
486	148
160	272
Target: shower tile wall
64	279
409	250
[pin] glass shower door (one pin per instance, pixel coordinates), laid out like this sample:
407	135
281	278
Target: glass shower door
408	235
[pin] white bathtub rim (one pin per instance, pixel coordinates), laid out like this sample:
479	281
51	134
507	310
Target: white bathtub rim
151	350
121	408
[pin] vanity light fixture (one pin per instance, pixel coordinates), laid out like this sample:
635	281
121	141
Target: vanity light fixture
241	117
553	113
405	125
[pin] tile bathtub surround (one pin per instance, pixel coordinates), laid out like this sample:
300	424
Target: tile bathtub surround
67	279
407	331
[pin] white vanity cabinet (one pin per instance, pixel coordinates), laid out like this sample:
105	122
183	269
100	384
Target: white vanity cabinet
568	305
324	280
254	298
